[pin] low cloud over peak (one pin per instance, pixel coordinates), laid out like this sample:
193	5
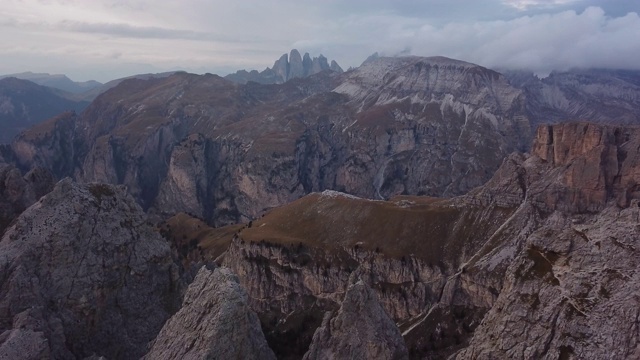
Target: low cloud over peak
80	38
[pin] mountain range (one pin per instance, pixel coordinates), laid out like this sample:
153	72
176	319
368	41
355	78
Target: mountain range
413	207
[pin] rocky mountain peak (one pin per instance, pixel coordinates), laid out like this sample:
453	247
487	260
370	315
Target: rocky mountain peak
596	163
287	67
296	68
83	274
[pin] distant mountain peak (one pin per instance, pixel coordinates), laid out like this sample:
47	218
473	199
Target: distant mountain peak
287	67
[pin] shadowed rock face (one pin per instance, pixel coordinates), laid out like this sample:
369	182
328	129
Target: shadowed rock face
215	321
83	274
360	329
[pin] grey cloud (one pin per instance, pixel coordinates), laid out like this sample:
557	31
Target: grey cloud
218	36
542	42
141	32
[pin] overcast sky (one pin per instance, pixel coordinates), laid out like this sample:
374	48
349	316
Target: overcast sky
107	39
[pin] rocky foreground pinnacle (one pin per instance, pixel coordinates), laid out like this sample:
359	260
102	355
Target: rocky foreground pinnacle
83	274
361	329
215	322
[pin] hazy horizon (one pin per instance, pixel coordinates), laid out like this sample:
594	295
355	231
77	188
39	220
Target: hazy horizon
108	39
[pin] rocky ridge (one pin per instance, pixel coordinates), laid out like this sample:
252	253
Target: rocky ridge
287	67
18	191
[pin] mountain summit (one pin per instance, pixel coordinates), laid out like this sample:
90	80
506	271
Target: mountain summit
287	67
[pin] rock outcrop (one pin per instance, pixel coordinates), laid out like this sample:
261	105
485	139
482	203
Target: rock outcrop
286	68
215	322
82	274
360	329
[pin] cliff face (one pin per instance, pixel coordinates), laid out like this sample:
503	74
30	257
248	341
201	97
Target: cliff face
448	123
18	192
83	274
522	267
597	95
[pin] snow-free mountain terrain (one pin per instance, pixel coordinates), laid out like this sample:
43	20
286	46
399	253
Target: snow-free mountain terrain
422	208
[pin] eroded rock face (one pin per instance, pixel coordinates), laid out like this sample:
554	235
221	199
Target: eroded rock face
302	269
569	286
83	270
360	329
215	322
